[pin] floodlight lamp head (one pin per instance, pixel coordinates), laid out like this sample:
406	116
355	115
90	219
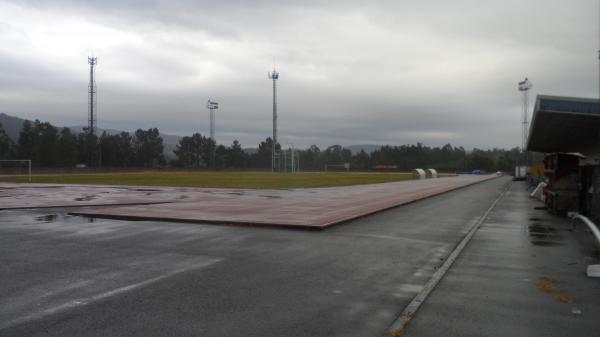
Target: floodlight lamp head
274	75
92	60
212	105
525	85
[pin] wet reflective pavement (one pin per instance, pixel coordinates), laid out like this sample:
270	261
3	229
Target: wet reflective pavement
21	196
64	276
522	274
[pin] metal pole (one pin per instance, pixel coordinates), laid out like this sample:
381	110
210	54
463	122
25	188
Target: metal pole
91	92
92	118
212	137
99	152
525	117
92	97
275	110
212	106
29	170
524	87
274	149
274	76
212	123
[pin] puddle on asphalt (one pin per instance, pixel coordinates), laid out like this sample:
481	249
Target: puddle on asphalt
86	198
45	186
542	235
271	196
46	218
54	218
541	207
536	228
545	243
537	219
146	190
63	218
235	193
51	218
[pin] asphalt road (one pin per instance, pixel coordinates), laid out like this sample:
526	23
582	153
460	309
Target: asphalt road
64	276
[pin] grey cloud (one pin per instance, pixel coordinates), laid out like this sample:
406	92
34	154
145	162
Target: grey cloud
351	72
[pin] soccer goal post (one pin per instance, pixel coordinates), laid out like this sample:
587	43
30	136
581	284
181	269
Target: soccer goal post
344	166
17	167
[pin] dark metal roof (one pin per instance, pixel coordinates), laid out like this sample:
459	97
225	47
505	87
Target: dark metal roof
554	104
564	124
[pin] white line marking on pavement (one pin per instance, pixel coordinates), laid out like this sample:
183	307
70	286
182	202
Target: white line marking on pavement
84	301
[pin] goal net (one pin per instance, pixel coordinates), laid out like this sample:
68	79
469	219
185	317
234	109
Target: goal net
16	168
342	167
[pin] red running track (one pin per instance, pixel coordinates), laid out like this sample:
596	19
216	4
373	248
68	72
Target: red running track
316	208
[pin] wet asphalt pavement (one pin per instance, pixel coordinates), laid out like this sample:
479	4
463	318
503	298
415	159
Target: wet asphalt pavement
522	274
65	276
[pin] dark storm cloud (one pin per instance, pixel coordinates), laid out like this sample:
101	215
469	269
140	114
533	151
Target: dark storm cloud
351	71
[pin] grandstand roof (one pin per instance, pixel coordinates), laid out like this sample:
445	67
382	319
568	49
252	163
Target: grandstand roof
564	124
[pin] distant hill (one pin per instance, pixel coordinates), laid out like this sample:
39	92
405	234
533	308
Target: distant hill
250	150
13	126
79	129
169	141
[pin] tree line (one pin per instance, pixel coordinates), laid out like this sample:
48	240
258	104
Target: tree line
52	147
48	146
407	157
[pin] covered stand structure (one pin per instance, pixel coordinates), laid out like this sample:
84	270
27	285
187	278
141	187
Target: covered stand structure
567	130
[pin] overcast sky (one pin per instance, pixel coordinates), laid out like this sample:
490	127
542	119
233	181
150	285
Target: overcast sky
351	72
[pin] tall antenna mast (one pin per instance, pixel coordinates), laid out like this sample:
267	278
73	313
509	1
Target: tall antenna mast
92	101
524	87
274	76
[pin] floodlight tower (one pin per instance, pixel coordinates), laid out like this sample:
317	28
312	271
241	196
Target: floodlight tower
274	76
212	106
524	87
92	101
